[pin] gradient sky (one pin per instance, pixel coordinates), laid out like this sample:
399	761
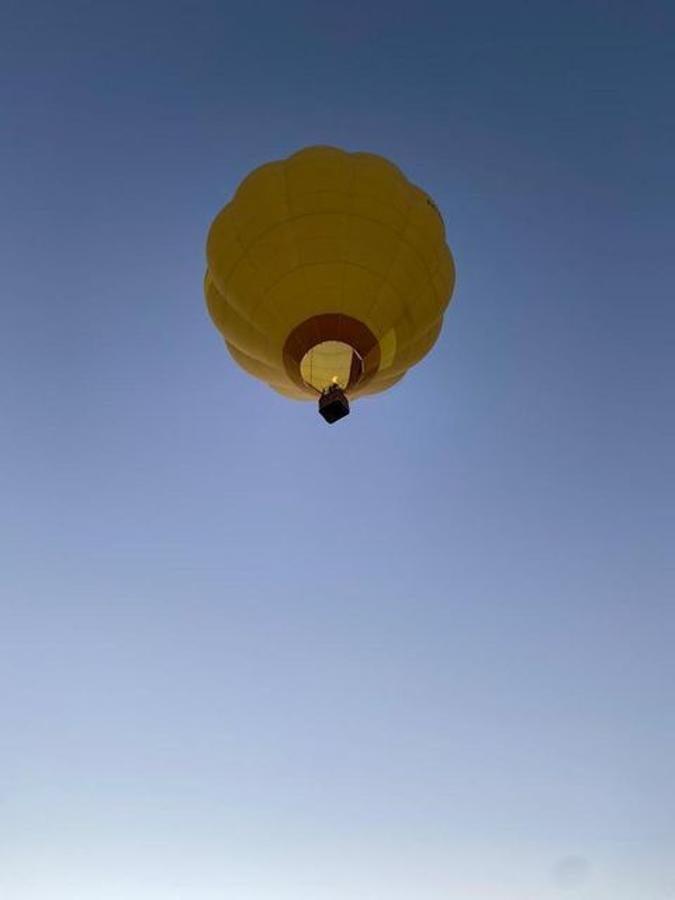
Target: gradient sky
425	653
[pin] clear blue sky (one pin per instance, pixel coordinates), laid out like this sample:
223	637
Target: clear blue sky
428	652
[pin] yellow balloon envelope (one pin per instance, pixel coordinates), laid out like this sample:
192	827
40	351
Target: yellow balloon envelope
328	275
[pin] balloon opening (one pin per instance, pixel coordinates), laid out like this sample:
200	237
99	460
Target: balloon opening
331	364
335	349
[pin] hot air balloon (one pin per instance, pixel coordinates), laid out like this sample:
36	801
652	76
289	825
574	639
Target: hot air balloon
328	275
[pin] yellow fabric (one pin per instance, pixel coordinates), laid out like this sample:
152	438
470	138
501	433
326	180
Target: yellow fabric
326	231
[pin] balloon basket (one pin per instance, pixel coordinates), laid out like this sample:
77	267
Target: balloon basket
333	404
